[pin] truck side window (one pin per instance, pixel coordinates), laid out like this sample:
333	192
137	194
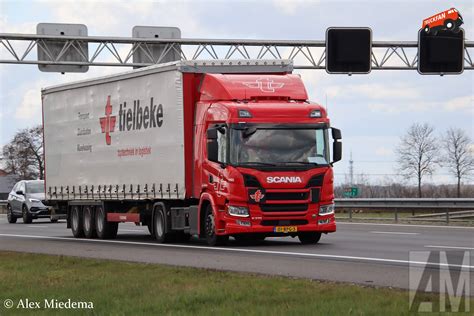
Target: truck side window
222	144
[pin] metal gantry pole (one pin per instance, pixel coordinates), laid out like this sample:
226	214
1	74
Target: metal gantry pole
117	51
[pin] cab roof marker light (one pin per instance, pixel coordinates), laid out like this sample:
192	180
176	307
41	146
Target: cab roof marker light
315	113
244	113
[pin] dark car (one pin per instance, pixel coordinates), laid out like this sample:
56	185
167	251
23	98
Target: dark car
26	200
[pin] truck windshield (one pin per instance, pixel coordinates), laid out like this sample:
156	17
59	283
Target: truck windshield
279	146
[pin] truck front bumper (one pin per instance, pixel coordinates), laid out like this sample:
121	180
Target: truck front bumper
233	226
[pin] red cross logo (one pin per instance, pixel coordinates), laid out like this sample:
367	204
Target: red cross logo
107	123
257	196
265	85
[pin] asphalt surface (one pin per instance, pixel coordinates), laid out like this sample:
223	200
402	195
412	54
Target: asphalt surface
371	254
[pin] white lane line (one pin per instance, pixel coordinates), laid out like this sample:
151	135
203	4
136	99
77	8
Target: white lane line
131	230
241	250
37	226
449	247
405	225
396	233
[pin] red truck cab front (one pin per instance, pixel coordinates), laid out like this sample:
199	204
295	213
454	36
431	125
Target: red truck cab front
261	158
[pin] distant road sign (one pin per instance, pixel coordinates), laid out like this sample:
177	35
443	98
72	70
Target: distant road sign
146	53
348	50
58	50
441	53
351	192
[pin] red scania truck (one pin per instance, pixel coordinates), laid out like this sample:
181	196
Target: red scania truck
213	149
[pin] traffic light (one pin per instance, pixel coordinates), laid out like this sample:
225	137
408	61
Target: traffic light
348	50
442	53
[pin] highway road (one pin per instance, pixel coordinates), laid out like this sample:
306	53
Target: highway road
370	254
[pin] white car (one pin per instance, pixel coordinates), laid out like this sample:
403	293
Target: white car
26	200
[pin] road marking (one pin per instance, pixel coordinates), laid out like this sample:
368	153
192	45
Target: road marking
449	247
396	233
405	225
241	250
37	226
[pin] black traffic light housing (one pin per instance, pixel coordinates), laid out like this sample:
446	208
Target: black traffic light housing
441	54
348	50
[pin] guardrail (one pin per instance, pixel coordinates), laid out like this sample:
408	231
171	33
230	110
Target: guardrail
449	208
3	206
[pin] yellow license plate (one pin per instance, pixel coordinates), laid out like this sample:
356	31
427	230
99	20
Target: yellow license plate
285	229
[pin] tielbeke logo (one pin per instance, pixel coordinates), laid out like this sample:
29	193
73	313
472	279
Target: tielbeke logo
132	118
107	123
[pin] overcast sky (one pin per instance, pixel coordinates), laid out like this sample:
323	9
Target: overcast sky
372	110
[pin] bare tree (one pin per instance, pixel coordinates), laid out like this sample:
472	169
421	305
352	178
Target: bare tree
23	156
459	158
418	153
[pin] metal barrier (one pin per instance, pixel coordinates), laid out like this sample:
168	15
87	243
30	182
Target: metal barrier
3	206
450	209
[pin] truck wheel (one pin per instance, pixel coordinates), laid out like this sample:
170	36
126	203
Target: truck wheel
210	226
10	217
26	216
88	222
309	238
76	222
104	228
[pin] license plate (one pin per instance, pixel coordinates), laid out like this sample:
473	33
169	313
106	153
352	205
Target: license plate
285	229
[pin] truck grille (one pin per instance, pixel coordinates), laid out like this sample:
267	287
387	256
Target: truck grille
286	196
283	207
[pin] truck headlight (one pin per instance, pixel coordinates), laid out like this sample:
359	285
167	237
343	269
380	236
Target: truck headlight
34	200
326	209
240	211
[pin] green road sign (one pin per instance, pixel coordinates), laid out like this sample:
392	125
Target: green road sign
351	192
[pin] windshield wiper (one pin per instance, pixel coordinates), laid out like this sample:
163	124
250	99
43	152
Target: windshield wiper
257	163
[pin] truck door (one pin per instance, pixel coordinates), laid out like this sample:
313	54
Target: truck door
212	170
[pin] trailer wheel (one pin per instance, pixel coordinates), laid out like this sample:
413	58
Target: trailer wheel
211	237
88	222
159	226
104	228
76	222
309	238
10	217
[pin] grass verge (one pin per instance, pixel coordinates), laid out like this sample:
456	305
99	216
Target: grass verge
123	288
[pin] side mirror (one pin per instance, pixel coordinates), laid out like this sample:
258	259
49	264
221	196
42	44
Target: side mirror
212	146
336	133
336	151
20	192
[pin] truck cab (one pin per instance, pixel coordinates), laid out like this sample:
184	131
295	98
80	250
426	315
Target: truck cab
262	159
